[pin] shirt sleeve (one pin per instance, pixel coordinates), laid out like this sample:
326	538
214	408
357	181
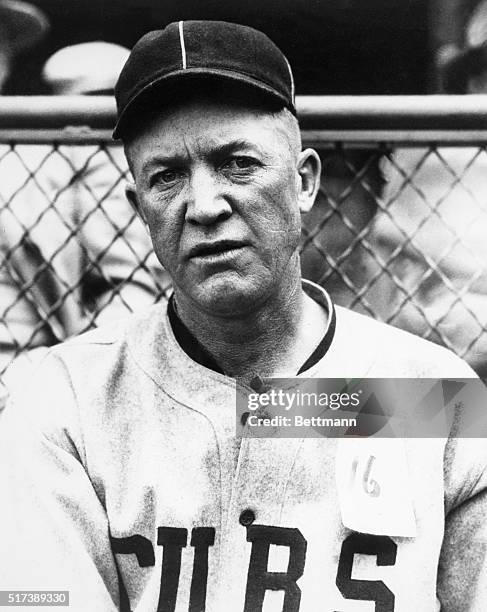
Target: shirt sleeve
462	578
53	527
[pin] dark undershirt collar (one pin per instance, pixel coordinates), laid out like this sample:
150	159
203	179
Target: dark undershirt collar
197	352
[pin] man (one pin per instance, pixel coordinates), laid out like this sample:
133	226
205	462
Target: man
123	478
74	254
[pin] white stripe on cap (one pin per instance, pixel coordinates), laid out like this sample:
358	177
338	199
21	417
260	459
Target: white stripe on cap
181	42
292	79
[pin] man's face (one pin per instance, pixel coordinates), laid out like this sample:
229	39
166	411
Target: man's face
221	191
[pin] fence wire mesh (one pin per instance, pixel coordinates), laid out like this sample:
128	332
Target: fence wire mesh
398	232
73	252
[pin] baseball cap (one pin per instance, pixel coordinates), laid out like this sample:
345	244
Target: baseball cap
205	49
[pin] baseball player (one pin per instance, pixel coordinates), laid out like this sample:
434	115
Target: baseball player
123	479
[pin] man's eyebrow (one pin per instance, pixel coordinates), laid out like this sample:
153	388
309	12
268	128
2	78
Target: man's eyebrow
157	161
213	150
235	145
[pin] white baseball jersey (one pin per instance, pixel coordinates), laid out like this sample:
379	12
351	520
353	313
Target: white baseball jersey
122	481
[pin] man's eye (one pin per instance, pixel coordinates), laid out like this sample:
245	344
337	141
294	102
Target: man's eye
240	163
166	177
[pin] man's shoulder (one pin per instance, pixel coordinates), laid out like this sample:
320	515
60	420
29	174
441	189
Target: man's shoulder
394	351
112	340
86	376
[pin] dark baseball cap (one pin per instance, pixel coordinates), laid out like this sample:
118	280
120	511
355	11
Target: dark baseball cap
206	49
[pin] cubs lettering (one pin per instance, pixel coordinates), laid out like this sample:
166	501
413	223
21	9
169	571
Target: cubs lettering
259	579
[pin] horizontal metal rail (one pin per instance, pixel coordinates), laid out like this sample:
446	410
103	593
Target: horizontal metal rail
393	112
54	112
323	119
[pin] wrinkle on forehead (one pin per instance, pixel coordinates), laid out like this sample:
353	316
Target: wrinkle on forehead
173	132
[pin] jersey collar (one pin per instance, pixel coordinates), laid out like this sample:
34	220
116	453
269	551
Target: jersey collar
197	352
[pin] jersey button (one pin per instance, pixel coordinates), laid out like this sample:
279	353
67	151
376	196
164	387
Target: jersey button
258	385
247	517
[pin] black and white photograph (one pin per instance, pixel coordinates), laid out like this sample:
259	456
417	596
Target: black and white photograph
243	305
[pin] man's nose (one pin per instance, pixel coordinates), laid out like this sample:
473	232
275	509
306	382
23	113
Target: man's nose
207	200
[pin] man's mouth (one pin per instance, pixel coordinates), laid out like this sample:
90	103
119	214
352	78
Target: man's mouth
211	250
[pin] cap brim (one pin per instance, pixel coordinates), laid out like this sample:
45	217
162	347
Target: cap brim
202	73
23	24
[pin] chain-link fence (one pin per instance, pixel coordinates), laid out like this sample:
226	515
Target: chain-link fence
399	230
402	237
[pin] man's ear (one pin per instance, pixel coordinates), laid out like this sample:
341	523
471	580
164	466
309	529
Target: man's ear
309	170
131	193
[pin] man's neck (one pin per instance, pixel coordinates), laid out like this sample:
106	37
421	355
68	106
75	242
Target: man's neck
274	339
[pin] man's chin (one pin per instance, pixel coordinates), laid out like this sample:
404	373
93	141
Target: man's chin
228	295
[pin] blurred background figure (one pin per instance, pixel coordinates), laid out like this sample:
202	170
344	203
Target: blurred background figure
22	26
76	254
456	31
463	69
440	198
86	68
336	229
